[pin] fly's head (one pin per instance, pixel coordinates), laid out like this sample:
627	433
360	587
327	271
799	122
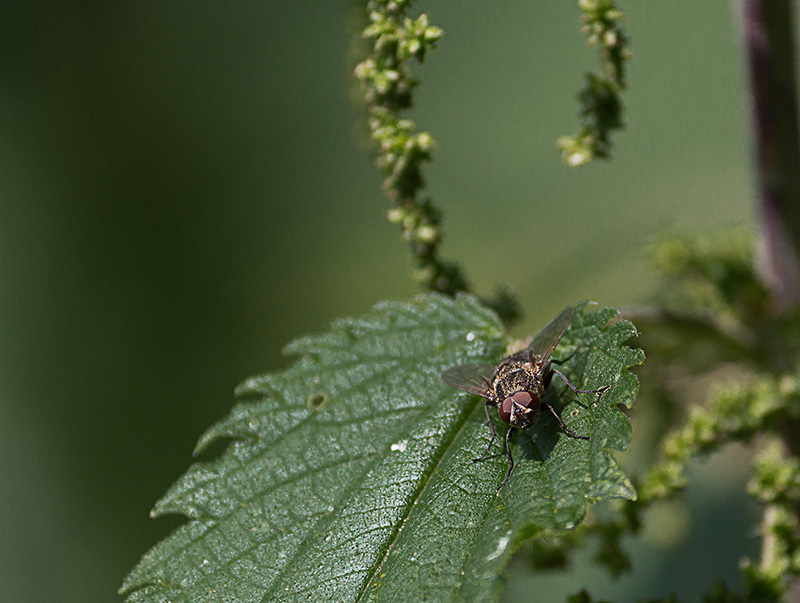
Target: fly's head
520	410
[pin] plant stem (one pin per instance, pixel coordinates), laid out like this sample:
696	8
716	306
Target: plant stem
767	32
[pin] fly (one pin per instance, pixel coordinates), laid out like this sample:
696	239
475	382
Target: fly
517	385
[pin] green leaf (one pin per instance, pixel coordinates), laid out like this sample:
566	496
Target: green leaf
349	475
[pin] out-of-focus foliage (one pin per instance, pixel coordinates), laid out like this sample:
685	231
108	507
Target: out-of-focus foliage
718	311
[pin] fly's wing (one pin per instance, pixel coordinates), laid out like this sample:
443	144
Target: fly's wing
547	339
472	378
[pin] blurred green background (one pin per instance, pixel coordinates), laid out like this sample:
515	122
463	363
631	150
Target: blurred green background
186	186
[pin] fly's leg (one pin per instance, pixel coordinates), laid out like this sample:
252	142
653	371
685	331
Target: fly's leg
509	433
563	426
563	360
599	391
491	429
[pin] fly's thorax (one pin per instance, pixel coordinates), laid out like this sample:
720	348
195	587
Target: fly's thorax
518	373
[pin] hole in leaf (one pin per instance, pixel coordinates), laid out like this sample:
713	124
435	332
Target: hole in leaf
317	400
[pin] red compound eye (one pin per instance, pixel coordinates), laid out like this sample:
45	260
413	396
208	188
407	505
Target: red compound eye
524	399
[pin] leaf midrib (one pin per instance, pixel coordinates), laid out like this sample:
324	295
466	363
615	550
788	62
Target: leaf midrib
346	494
438	459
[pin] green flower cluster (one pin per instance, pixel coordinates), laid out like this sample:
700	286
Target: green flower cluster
387	86
600	99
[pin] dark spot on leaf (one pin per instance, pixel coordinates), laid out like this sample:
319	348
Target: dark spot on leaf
317	400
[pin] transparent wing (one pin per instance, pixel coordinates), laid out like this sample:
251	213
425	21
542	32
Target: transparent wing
473	378
547	339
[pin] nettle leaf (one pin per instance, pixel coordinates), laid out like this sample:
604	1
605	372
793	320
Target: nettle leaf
349	475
